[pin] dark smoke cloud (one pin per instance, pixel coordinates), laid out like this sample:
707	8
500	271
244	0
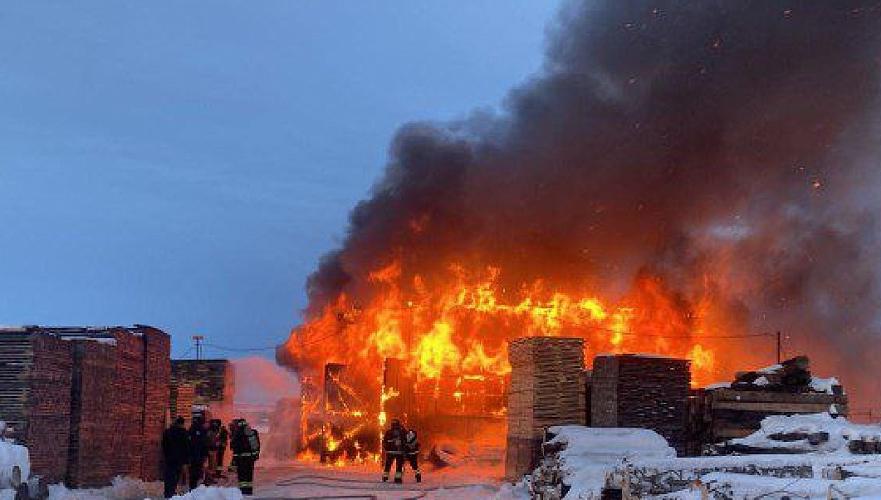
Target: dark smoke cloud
730	145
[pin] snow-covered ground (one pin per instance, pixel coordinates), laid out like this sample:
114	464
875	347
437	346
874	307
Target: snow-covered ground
641	460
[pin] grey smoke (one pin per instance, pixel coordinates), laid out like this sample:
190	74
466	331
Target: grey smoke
730	146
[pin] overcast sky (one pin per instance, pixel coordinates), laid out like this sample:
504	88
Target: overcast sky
184	164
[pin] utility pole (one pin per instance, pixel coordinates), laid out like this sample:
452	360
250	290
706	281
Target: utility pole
199	338
779	348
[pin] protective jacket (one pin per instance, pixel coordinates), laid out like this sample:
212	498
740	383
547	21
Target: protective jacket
411	443
393	441
175	446
246	443
198	443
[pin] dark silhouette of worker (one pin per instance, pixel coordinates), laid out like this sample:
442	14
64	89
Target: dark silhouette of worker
217	441
198	451
175	454
393	449
245	444
411	450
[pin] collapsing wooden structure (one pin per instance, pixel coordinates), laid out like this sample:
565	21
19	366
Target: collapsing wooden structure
88	402
546	389
212	382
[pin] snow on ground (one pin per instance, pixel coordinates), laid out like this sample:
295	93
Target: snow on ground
840	431
12	455
591	453
312	480
121	488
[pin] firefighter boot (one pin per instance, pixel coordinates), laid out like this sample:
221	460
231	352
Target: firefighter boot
418	476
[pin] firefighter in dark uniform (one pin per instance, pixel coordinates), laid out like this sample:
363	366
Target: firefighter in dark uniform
223	442
198	451
175	453
411	448
245	446
393	448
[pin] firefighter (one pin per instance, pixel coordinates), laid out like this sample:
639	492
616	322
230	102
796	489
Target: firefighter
175	454
393	448
213	438
411	448
198	451
245	444
222	443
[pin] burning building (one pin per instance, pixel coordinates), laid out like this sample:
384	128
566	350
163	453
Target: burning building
678	179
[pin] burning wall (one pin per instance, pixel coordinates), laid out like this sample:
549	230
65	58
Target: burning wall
678	176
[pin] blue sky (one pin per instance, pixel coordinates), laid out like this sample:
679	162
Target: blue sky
184	164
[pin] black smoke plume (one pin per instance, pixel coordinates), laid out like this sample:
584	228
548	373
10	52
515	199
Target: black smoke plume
722	145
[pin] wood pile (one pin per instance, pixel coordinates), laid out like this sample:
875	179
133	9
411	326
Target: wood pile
157	376
792	375
181	399
546	389
35	380
785	389
649	392
91	401
213	380
734	413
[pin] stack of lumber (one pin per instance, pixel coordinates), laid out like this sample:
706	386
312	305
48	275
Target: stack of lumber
182	396
734	413
93	439
87	401
736	410
546	389
35	382
792	375
644	391
214	381
157	376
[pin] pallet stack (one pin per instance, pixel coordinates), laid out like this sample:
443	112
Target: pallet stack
734	413
214	383
546	389
93	424
181	399
35	382
649	392
157	375
88	402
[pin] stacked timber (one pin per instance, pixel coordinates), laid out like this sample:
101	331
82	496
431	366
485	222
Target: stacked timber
649	392
35	396
737	409
213	380
736	413
546	389
87	401
93	423
181	399
157	375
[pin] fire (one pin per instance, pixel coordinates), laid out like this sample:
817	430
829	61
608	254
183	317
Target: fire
450	334
461	327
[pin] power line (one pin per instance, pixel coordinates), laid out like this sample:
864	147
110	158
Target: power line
240	349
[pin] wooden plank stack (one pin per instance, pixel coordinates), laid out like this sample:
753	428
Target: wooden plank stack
88	402
783	389
35	382
645	391
213	380
181	401
157	376
546	389
738	413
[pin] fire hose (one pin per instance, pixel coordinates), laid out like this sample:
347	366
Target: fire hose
319	480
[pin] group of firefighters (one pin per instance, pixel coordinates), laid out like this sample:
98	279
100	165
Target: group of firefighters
186	452
399	444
